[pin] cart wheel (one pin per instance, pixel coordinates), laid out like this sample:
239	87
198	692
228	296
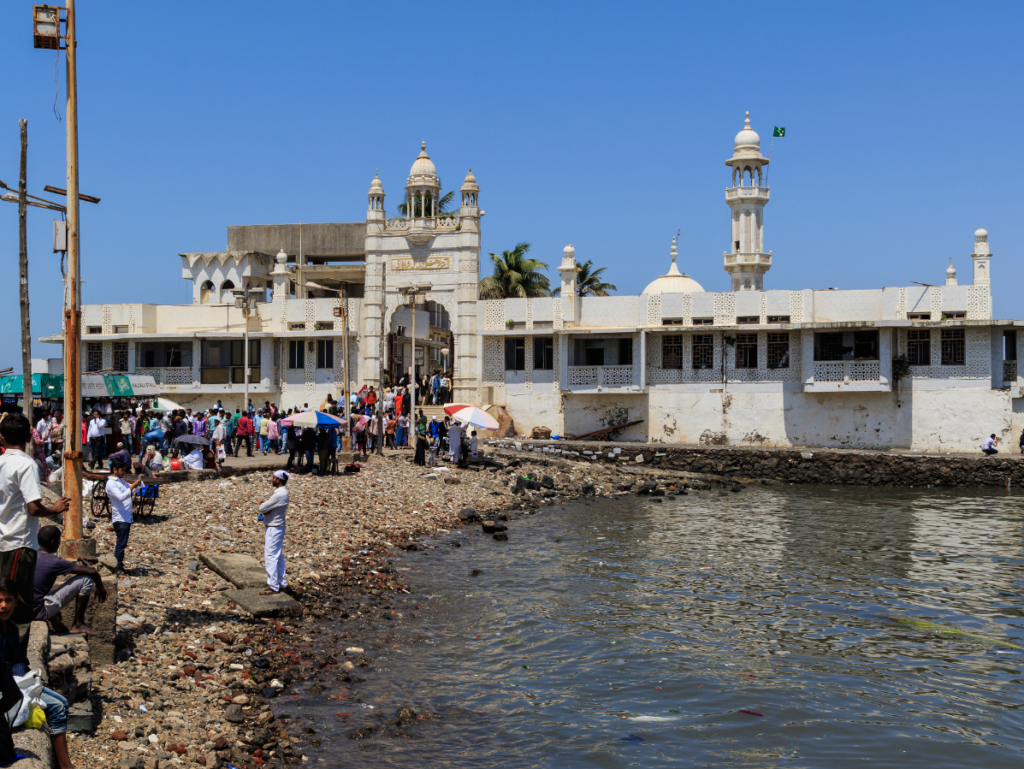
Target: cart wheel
96	505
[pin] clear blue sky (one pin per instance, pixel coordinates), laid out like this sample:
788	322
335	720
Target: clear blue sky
605	125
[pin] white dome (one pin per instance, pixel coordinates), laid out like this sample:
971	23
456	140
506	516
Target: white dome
423	166
673	281
469	183
748	136
376	188
981	235
951	270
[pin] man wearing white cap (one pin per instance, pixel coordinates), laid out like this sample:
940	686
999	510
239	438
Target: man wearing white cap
272	516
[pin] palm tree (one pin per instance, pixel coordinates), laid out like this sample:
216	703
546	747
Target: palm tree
443	201
589	283
515	276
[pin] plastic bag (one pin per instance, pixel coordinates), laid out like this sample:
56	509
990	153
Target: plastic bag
31	685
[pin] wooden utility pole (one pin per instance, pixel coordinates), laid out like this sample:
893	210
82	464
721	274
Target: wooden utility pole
380	381
346	439
26	336
72	545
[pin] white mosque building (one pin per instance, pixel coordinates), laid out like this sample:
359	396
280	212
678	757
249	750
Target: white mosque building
918	367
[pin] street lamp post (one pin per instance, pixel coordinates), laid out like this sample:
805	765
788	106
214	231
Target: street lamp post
413	292
246	303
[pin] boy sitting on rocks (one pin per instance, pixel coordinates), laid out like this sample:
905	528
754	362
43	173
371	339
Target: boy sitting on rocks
49	602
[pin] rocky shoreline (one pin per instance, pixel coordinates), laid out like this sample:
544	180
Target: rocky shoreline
195	678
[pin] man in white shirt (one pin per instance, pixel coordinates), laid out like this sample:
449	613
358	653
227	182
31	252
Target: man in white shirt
193	460
43	428
97	437
153	459
119	491
989	446
272	517
21	504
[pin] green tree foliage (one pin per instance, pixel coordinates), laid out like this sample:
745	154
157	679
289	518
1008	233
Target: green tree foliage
516	276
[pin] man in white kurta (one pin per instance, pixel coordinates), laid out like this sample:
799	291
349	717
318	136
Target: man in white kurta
454	441
272	514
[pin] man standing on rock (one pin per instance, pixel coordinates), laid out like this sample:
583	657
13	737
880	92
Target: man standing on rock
272	517
119	491
21	504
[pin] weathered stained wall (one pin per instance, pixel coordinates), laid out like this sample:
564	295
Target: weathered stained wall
944	419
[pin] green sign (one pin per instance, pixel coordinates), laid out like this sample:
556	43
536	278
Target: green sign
43	385
118	386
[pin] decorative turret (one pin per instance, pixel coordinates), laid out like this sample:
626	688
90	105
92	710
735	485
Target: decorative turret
569	273
375	208
746	260
281	276
469	214
951	274
421	191
981	257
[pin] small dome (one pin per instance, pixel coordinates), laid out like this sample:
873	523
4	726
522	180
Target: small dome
747	137
469	185
981	235
673	281
569	251
951	270
282	257
423	166
376	188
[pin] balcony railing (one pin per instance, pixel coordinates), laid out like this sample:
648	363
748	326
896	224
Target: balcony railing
168	375
1010	371
746	192
848	371
592	377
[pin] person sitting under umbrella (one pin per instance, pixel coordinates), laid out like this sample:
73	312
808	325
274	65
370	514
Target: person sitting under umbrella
194	459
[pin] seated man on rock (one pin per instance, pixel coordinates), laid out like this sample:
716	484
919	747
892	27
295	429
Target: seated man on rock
49	602
56	707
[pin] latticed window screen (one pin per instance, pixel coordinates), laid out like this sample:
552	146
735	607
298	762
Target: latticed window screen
778	351
703	351
746	351
919	347
953	347
672	351
94	357
120	362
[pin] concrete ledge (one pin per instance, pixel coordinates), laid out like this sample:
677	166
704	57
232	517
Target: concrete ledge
242	571
35	745
277	605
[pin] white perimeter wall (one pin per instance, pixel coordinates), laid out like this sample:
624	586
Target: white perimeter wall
949	418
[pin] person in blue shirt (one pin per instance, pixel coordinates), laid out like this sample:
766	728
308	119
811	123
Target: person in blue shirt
10	647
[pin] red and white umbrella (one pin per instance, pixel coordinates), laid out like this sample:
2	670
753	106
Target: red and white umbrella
471	415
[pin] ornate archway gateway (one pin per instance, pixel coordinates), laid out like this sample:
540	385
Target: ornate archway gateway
446	299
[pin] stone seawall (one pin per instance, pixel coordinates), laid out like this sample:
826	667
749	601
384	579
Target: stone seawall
843	467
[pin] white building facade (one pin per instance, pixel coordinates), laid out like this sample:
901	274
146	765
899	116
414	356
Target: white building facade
918	367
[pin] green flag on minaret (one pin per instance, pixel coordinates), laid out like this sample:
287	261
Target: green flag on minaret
779	131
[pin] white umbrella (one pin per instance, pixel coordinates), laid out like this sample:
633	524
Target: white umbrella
471	415
163	404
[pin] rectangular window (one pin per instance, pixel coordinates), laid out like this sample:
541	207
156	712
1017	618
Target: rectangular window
297	326
324	325
625	352
325	353
746	351
919	316
703	321
120	329
146	355
954	315
919	347
672	351
296	353
177	355
120	362
828	347
703	351
593	352
1010	344
953	347
94	330
778	319
543	353
94	356
778	351
865	345
748	320
671	321
515	353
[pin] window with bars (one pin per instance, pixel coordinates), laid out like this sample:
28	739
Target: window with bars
703	351
672	351
543	353
778	351
828	347
120	362
325	353
94	356
746	351
748	320
702	321
953	347
778	319
296	353
919	347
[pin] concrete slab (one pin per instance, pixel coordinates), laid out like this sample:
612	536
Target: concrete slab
277	605
242	571
35	745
